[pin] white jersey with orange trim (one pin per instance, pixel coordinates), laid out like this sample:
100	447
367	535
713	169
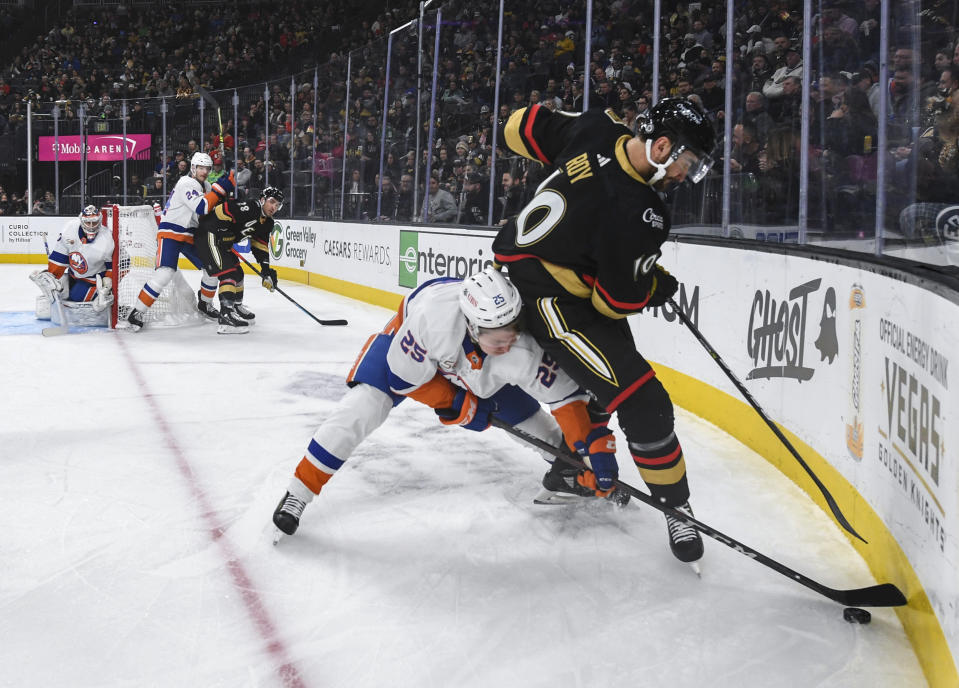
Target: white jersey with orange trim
432	337
83	258
187	202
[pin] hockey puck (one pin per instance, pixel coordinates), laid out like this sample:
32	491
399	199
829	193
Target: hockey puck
856	615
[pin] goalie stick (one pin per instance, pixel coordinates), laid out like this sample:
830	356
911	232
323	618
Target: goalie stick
833	506
63	327
882	595
288	297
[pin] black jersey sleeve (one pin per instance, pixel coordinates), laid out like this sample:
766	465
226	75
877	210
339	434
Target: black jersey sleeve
260	241
537	133
626	261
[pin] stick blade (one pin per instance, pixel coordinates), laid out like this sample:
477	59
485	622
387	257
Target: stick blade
334	322
54	331
883	595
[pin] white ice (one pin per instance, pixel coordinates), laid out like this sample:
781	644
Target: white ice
139	472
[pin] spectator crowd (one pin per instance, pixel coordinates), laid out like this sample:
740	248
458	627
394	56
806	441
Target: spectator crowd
311	134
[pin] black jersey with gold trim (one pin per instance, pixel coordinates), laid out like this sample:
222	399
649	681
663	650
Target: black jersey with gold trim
234	221
594	223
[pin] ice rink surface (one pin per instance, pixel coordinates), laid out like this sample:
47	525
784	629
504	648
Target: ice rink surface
139	472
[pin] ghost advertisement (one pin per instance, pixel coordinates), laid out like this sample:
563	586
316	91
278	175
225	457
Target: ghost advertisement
776	340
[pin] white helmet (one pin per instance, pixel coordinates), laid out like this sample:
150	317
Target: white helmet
489	301
90	220
200	160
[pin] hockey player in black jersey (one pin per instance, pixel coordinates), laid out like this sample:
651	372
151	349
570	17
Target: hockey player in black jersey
583	254
229	223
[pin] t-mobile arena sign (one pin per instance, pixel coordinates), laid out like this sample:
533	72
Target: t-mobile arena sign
99	147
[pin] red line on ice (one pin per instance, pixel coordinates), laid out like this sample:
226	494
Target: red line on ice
241	580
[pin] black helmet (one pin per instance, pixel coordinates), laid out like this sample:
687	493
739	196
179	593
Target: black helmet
686	125
272	192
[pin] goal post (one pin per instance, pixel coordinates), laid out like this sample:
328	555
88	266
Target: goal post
134	230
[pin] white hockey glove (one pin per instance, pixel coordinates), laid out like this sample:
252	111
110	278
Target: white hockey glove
47	282
104	298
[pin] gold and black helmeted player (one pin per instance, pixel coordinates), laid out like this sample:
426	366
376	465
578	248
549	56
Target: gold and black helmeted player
583	254
232	222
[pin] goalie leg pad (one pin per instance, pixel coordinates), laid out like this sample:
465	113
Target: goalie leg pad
42	308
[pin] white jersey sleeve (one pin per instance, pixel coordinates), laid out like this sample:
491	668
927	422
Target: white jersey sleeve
432	337
186	203
429	337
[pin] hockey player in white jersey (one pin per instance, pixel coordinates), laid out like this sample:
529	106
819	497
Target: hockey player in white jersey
80	267
192	197
458	347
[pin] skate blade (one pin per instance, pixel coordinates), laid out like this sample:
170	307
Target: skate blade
277	536
226	329
547	498
694	565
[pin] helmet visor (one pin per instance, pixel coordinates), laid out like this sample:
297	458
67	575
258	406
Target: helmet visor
697	163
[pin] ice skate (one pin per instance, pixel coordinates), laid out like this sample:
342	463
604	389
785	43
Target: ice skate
684	540
560	487
135	319
231	323
286	518
206	308
242	311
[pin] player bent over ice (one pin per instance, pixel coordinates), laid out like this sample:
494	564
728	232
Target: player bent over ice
458	347
79	270
192	197
229	223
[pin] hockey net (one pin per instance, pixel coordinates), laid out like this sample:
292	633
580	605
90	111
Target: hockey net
134	259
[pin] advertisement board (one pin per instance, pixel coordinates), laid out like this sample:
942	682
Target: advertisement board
99	147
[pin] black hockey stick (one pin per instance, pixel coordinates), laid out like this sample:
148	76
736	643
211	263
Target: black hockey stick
883	595
833	506
288	297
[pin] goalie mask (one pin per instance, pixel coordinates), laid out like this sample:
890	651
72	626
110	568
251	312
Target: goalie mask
90	221
685	124
489	301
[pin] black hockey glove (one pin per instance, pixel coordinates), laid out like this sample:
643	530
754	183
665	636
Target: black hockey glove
664	286
268	275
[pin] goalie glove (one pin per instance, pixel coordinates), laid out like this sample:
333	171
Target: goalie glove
104	298
268	275
224	186
664	286
47	282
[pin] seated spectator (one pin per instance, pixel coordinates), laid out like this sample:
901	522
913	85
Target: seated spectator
937	187
441	206
404	201
155	192
773	88
744	156
46	205
243	175
511	201
382	209
756	115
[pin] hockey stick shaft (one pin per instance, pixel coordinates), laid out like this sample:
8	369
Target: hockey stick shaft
830	501
882	595
288	297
